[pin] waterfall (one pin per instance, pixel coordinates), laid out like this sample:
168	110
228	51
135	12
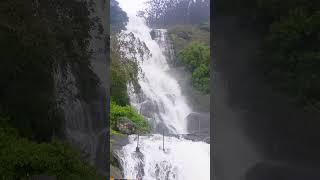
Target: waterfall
162	97
161	101
85	120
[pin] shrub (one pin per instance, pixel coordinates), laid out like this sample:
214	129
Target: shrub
21	158
117	112
196	58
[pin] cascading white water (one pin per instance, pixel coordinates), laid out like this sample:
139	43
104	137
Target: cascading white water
182	159
156	84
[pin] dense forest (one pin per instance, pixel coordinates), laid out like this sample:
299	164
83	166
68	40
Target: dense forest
35	38
289	53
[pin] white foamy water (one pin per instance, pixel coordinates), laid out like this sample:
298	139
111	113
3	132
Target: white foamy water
183	159
156	84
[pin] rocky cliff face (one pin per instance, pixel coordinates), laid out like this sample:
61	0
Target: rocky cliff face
85	118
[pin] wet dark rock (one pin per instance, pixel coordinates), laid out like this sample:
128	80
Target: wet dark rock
125	126
118	141
84	108
183	35
140	166
115	172
153	34
193	122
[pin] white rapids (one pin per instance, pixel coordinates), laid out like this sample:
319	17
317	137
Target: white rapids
182	159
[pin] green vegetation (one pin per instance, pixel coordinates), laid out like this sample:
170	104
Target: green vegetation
35	38
123	71
129	112
182	35
292	55
21	158
192	44
118	90
118	18
196	58
290	52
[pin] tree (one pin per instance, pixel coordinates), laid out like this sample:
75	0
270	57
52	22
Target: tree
170	12
196	58
118	18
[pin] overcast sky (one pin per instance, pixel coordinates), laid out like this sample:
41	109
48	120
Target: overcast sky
132	6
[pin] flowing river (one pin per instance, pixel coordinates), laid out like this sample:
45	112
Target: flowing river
163	104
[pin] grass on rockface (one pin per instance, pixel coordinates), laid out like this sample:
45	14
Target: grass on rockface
117	111
192	47
182	35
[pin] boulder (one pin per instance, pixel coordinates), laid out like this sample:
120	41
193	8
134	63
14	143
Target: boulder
183	35
125	126
193	122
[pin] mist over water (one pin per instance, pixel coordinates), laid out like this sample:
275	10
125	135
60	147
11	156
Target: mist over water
163	103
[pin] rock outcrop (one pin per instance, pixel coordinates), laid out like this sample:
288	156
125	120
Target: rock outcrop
125	126
85	119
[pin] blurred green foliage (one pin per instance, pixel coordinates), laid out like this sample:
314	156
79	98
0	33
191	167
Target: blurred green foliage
129	112
35	37
196	57
290	51
21	158
123	72
192	44
118	18
291	54
182	35
119	78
